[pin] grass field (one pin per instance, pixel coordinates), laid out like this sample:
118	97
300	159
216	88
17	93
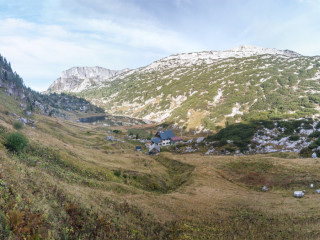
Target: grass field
71	184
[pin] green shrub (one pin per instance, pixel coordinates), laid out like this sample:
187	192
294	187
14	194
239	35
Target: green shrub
294	138
306	152
267	124
313	145
16	142
117	131
314	134
238	132
18	125
117	173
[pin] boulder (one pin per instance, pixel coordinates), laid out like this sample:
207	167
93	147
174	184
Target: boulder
298	194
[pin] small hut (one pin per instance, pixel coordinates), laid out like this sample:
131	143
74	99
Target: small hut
154	149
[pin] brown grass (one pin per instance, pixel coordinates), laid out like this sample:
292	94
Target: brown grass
218	197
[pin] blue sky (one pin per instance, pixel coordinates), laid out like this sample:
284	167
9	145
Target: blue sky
41	38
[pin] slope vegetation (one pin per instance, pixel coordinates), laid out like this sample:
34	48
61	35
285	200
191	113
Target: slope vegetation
61	105
205	90
71	184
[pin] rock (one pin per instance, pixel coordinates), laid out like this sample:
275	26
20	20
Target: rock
298	194
77	79
311	185
24	120
264	189
109	138
210	151
314	155
318	191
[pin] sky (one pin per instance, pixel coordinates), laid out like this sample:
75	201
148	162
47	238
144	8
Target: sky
41	38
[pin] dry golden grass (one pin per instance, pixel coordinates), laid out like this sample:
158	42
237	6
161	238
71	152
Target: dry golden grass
207	204
195	119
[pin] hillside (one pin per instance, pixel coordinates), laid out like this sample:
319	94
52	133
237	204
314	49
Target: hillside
67	182
209	89
60	105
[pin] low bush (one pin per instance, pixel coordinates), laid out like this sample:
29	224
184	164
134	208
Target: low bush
117	173
314	134
306	152
18	125
16	142
294	138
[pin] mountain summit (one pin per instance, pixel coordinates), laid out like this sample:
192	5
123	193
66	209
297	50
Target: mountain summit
77	79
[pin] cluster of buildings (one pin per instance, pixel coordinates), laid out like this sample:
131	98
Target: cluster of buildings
161	139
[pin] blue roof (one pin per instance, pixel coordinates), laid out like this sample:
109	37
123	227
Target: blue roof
155	140
166	134
138	147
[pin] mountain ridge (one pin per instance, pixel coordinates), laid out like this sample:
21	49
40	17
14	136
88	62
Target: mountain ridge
191	58
210	89
77	79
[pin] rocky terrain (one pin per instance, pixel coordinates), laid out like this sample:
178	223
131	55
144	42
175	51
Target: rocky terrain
295	136
77	79
207	90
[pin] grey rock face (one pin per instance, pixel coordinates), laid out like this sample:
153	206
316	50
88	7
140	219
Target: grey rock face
77	79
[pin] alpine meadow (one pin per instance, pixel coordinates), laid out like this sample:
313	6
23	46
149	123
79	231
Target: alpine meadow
122	120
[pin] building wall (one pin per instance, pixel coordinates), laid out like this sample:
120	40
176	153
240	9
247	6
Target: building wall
164	143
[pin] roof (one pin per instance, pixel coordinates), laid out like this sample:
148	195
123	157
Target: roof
138	147
155	140
200	139
154	147
176	138
166	134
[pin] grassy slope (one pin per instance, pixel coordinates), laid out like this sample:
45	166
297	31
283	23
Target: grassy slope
265	87
67	184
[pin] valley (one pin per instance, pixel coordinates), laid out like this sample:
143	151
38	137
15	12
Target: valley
74	184
71	170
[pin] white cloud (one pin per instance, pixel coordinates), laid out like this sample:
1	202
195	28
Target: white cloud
137	35
39	52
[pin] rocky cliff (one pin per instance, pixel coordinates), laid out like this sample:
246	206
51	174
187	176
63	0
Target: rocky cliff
77	79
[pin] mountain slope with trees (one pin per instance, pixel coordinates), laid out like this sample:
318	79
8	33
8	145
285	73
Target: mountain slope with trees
61	105
211	89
